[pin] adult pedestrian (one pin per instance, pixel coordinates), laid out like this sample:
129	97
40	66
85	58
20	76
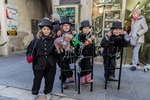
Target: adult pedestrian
55	18
138	29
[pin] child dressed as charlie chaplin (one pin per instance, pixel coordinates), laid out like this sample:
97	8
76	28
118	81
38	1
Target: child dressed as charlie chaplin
41	51
86	38
113	40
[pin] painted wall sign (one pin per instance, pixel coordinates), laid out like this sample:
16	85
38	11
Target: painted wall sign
11	14
11	19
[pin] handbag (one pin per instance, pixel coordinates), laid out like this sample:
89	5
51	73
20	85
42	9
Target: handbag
133	40
35	44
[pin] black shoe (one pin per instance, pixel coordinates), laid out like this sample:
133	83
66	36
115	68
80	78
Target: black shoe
133	68
137	64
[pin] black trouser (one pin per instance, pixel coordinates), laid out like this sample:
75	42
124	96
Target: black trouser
49	74
85	64
64	65
111	64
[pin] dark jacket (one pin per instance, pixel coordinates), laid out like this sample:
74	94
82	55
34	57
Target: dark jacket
44	51
113	43
88	50
55	26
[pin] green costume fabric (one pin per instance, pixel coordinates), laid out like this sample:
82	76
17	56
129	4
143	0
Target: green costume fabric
75	40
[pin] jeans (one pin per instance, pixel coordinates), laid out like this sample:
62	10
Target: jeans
135	54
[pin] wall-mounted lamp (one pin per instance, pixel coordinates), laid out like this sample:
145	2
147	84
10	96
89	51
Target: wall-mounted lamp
136	6
130	14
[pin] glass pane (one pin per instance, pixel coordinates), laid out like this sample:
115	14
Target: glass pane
68	12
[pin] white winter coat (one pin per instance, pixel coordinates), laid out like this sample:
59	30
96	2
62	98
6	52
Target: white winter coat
138	29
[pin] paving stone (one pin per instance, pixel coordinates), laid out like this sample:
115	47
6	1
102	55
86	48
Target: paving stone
11	92
2	87
17	84
25	96
67	99
6	98
59	94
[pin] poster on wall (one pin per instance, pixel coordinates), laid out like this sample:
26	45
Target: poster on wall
11	19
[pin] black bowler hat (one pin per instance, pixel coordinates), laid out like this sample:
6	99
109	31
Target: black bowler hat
56	28
85	23
116	25
45	22
64	20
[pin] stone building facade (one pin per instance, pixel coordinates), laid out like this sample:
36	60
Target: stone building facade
29	12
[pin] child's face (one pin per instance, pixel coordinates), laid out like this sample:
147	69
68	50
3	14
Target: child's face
46	30
86	30
59	33
116	32
66	27
135	14
52	19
